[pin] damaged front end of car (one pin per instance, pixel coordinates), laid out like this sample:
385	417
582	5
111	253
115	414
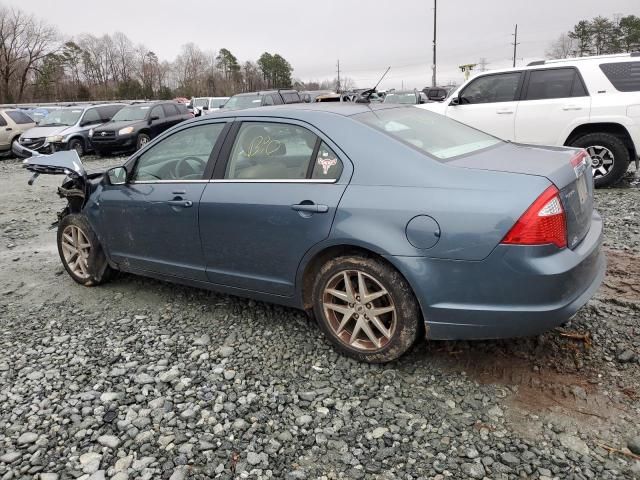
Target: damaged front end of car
75	186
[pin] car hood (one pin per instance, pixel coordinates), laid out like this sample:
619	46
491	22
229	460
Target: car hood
111	126
41	132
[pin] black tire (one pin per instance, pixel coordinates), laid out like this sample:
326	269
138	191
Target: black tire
594	142
77	145
97	268
402	333
142	140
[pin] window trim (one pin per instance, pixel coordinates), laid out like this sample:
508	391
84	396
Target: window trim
525	88
516	97
131	164
225	153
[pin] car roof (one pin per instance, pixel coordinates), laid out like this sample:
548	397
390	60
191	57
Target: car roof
403	92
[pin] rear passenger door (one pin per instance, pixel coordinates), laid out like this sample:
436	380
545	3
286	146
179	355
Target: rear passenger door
489	103
158	121
274	194
553	102
172	114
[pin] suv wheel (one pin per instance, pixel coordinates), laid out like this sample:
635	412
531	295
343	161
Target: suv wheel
77	145
366	309
143	139
609	157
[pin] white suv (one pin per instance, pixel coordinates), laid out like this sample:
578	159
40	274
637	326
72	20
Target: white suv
589	102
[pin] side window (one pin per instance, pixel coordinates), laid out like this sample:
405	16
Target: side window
91	117
3	122
182	156
492	89
547	84
268	100
157	111
170	110
624	76
271	151
327	164
276	99
18	117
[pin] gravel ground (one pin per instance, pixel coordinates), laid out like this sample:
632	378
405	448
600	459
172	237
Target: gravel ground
141	379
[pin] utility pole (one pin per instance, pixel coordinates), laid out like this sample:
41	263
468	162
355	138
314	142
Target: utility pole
515	45
435	11
338	83
483	64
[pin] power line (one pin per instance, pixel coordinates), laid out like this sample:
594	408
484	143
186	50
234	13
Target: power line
515	45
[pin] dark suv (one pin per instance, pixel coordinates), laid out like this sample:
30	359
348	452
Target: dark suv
135	125
261	99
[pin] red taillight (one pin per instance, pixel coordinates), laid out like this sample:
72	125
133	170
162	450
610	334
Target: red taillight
579	162
543	223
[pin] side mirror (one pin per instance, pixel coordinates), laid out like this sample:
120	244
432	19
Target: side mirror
205	107
153	119
116	176
456	101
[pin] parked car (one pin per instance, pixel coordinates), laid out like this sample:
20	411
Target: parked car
67	129
387	222
589	102
310	96
405	97
12	124
204	105
437	94
261	99
135	125
38	113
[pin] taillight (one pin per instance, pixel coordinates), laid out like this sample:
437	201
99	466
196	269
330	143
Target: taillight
579	162
543	223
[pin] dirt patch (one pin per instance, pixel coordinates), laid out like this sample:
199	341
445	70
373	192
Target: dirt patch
623	272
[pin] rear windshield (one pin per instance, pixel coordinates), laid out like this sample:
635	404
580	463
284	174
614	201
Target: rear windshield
200	102
128	114
408	98
243	101
625	76
434	134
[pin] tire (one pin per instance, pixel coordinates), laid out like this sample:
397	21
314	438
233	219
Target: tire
73	232
77	145
603	148
143	139
402	324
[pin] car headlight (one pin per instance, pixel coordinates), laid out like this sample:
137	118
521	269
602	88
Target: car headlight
125	131
55	138
91	132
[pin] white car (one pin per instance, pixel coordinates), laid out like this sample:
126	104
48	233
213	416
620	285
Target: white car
588	102
205	105
12	124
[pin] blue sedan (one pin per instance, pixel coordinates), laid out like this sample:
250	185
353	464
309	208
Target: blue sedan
386	223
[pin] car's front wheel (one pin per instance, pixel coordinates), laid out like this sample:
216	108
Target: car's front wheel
609	157
77	145
143	139
366	308
80	251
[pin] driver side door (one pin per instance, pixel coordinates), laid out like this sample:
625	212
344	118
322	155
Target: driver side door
151	222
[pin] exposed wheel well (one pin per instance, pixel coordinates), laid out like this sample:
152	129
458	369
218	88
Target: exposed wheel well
610	128
323	256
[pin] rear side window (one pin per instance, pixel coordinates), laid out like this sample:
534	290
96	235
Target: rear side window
19	117
157	111
327	165
624	76
271	151
555	83
3	122
496	88
182	109
170	110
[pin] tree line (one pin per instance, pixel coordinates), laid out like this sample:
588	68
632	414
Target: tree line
599	36
38	65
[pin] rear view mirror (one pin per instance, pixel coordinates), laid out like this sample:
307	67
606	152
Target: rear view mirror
116	176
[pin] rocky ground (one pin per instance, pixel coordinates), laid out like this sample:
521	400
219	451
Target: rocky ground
141	379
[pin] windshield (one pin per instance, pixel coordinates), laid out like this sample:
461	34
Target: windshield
434	134
130	114
61	118
243	101
200	102
404	98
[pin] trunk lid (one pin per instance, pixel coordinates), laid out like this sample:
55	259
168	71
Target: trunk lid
555	163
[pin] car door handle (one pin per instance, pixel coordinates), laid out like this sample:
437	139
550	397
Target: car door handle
9	129
180	203
310	208
504	111
571	107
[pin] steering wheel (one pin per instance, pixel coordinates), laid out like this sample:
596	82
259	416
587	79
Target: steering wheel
185	168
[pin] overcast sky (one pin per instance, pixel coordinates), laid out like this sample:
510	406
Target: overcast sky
366	36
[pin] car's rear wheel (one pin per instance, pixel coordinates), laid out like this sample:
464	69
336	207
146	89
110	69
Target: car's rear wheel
366	308
80	251
143	139
77	145
609	157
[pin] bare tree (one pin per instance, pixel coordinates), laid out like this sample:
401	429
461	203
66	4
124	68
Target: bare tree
562	47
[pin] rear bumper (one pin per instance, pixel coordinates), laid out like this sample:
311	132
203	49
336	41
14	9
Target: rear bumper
516	291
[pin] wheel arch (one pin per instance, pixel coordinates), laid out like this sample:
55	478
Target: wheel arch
611	128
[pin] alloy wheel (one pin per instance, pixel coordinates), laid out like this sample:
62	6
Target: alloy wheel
602	160
359	310
76	249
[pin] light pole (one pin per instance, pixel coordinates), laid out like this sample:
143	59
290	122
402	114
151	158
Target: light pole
435	11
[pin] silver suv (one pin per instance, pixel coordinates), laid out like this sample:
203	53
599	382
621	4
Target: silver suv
67	129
